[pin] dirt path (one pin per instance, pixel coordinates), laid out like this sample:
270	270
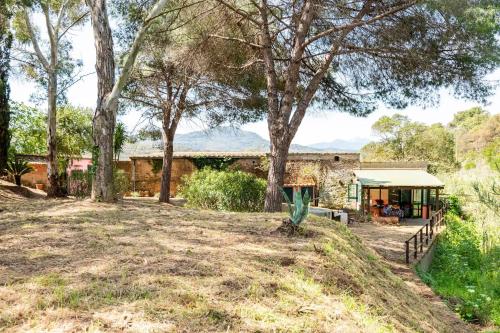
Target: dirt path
388	241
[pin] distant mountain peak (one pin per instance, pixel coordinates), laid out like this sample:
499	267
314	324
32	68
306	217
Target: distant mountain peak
231	139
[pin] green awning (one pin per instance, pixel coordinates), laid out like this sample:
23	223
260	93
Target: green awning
397	178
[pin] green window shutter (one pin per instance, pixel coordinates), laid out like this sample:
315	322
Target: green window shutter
352	192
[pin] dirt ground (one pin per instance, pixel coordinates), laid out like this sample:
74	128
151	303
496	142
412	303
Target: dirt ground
388	240
140	266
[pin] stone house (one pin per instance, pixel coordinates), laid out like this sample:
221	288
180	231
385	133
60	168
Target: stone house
324	175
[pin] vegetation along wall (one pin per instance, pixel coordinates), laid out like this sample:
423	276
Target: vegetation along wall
328	173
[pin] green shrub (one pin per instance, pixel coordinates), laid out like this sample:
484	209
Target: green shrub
80	183
224	190
121	183
464	275
454	205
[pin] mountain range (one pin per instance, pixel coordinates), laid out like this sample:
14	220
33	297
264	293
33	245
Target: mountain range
232	139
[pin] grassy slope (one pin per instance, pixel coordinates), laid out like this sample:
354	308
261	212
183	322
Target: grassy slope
145	267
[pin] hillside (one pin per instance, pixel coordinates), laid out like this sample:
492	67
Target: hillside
9	192
139	266
228	139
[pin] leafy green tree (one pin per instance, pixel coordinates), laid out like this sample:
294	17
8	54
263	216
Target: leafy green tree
469	119
27	130
74	131
45	58
404	140
436	144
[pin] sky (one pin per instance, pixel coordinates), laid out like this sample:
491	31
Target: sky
317	126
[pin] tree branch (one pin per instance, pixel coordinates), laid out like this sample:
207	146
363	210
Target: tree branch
240	40
134	50
353	25
75	22
242	12
34	42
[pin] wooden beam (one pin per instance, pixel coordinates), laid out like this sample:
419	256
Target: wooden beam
133	175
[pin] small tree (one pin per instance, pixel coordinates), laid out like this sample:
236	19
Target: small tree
17	168
179	77
119	140
53	69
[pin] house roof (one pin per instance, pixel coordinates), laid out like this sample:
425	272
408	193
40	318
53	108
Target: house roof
243	154
422	165
397	178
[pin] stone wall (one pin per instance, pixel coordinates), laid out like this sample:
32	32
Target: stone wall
37	176
330	177
146	179
328	174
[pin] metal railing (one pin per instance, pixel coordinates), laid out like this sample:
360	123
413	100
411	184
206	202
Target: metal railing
418	239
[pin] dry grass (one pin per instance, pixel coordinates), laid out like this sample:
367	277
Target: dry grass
144	267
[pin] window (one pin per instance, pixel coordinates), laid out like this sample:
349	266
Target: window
379	194
308	189
394	196
352	192
289	193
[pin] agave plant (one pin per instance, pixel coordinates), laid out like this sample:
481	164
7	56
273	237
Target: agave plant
300	209
17	168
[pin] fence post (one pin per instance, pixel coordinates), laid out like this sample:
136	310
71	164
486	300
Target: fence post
427	234
421	240
431	226
415	247
407	252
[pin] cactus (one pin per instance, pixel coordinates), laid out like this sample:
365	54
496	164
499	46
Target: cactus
300	209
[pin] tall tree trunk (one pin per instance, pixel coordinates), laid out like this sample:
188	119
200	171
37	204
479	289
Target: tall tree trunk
5	44
276	174
54	189
166	172
108	92
105	114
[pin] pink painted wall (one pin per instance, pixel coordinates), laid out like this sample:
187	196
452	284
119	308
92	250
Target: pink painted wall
81	164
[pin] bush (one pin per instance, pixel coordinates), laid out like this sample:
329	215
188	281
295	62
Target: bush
80	183
121	183
464	275
224	190
454	205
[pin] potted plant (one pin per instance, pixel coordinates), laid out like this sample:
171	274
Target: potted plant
39	186
17	168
